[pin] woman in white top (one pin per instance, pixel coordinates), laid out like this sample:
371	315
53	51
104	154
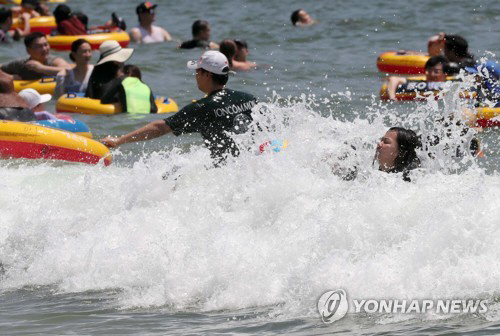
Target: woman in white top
75	80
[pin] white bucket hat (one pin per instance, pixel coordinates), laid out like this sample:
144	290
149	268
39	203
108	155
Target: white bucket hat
113	51
33	98
213	61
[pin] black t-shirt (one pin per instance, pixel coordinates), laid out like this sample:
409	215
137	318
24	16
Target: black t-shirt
222	112
194	44
101	79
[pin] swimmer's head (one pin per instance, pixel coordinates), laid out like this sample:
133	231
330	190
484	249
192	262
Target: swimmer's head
396	150
30	4
435	69
131	70
212	66
201	30
241	50
456	48
228	48
300	17
146	12
61	13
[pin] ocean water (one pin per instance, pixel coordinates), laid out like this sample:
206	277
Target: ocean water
160	243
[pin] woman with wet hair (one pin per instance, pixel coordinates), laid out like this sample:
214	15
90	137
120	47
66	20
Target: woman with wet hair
228	48
396	151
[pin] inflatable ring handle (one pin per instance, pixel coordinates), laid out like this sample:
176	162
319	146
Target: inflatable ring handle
401	52
47	79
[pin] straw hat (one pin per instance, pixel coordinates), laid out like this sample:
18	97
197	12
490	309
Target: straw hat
112	51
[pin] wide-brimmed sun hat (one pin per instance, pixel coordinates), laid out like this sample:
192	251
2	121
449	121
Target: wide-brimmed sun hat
112	51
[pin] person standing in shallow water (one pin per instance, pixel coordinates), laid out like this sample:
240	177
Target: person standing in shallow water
146	32
221	113
201	37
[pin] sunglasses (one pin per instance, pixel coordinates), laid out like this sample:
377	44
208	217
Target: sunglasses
149	11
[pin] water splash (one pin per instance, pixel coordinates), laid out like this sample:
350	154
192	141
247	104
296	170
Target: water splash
272	230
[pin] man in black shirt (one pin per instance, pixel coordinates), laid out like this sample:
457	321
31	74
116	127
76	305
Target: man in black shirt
221	112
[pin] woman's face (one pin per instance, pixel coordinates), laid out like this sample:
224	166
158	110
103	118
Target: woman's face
83	54
387	151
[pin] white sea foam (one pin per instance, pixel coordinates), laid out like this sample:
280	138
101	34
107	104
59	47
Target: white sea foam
272	229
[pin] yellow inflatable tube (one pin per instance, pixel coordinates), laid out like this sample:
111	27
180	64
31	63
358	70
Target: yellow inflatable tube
402	62
487	112
31	141
43	24
416	87
63	42
44	85
73	104
18	2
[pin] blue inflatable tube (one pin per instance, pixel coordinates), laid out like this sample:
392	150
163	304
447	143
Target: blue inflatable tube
68	124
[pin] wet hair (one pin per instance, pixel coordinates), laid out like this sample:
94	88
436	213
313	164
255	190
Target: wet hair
457	45
31	38
84	19
435	60
199	26
62	13
74	47
218	79
32	3
5	13
43	10
131	70
241	44
407	159
295	16
118	21
228	48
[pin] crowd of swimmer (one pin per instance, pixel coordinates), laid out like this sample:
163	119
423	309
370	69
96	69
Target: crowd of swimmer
111	81
449	54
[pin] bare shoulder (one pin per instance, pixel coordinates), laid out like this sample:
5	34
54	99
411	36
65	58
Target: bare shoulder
163	32
135	34
59	61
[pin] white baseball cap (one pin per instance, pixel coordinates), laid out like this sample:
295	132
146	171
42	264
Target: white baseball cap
212	61
33	98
